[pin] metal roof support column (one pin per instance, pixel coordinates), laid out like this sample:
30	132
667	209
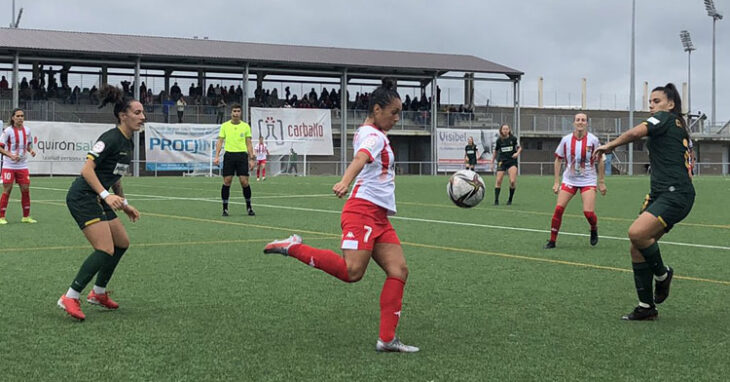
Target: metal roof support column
434	124
16	81
244	96
136	157
516	119
343	122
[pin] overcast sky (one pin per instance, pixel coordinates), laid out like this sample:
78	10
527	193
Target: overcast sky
562	41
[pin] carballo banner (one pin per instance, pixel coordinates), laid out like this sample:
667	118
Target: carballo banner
179	147
307	131
61	147
451	144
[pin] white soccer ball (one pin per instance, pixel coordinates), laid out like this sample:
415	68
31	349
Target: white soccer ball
465	188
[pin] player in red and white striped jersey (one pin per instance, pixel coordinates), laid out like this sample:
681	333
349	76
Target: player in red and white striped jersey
366	230
261	151
15	142
576	149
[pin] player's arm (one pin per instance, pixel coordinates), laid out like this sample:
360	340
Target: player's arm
218	147
128	209
8	154
357	164
556	170
29	148
87	172
602	175
637	132
519	151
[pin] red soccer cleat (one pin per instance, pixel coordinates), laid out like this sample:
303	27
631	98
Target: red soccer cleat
72	306
101	300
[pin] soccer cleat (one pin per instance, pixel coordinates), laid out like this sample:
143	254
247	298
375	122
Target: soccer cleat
264	178
72	306
594	237
509	202
225	212
661	288
29	220
102	300
3	221
642	314
394	346
549	245
250	211
282	246
496	202
257	179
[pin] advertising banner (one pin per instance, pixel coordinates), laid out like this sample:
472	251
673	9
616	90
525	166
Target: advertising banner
61	147
180	146
451	145
306	131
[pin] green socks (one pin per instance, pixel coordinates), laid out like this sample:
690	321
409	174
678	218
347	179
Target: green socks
106	271
89	268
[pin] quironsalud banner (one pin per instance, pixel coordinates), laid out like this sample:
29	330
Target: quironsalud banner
306	131
61	147
451	145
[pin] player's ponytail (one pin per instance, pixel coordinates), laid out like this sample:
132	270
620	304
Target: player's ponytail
673	95
114	95
383	95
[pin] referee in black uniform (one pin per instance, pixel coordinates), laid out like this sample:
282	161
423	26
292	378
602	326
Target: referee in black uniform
237	137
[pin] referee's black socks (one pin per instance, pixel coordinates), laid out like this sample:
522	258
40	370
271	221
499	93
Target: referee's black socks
225	194
247	196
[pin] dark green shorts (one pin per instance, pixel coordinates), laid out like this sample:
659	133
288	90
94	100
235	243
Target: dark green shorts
504	165
472	160
88	209
669	207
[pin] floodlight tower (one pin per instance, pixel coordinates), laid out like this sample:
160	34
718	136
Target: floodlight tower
688	47
712	12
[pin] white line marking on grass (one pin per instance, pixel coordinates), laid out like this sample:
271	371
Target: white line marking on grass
422	220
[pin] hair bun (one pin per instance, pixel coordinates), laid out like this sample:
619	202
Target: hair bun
388	83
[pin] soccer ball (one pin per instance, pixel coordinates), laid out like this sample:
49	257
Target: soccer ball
465	188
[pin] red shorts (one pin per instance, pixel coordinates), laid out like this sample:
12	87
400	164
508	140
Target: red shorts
21	176
573	189
364	224
261	162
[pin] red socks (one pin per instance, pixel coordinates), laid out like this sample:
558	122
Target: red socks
3	204
25	202
391	300
592	219
555	224
263	172
323	259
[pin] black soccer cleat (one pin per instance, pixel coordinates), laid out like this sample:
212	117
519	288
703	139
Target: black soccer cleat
594	237
225	212
661	288
642	314
250	211
549	245
496	202
509	202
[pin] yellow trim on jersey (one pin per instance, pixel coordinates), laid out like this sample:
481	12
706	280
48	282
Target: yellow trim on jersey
122	131
89	156
662	221
92	221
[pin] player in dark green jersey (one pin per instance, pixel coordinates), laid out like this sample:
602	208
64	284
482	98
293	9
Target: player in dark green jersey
470	156
506	151
92	206
671	198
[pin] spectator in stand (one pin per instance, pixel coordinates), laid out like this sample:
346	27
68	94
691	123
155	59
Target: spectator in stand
220	111
210	93
287	93
232	94
24	83
180	108
239	93
175	91
407	103
94	95
75	94
142	90
192	90
150	100
274	98
312	95
4	84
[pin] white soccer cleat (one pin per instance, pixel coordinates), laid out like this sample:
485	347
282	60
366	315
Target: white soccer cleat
394	346
282	246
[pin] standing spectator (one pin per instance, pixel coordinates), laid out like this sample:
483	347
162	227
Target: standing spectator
236	134
220	111
15	141
3	84
180	108
293	157
142	90
175	91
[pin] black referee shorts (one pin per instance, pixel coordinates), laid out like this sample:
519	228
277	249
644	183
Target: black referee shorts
235	164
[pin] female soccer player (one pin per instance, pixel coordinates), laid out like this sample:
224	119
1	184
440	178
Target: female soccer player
506	150
92	206
470	158
366	230
671	198
579	175
15	141
261	151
